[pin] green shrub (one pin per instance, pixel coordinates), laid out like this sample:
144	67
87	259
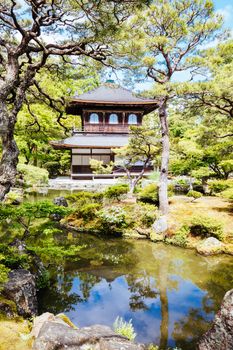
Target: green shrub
194	194
217	186
33	176
228	194
124	328
150	193
88	211
13	197
147	214
205	227
113	219
180	237
116	192
85	197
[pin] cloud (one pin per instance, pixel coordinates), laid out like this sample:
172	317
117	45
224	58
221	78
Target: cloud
227	14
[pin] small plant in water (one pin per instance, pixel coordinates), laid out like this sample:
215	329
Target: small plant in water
124	328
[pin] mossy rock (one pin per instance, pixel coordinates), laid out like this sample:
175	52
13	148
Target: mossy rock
156	237
66	319
210	246
7	308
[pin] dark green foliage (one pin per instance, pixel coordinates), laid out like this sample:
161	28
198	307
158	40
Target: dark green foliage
116	192
204	227
217	186
43	279
11	258
25	212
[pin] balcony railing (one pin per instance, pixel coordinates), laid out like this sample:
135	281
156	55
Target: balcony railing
102	128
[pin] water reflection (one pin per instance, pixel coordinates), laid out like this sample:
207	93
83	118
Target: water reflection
171	294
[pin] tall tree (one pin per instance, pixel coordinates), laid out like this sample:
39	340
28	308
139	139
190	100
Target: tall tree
168	34
31	31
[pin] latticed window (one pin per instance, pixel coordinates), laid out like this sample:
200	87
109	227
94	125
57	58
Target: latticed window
113	118
132	119
94	118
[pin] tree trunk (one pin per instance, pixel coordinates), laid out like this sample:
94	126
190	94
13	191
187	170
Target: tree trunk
163	195
9	160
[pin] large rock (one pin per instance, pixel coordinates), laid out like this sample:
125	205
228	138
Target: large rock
56	334
210	246
21	288
160	226
60	201
220	336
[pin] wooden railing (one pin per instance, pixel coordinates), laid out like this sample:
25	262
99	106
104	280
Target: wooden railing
103	128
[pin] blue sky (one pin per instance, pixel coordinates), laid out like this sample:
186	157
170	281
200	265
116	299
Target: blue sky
225	8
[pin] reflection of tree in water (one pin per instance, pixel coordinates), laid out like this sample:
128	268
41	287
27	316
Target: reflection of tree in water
198	319
141	287
151	270
59	299
87	282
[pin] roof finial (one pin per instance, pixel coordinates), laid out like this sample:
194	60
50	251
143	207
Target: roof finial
110	80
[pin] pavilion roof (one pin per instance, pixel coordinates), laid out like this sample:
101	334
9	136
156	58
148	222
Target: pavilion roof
109	94
92	141
106	96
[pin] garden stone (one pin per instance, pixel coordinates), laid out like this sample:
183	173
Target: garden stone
21	288
220	336
160	225
60	201
54	335
210	246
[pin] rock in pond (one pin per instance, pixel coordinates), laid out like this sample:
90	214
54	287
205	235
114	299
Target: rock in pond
55	333
210	246
60	201
21	288
220	336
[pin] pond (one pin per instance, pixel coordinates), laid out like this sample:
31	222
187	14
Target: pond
171	294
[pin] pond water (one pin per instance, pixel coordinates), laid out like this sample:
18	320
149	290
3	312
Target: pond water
171	294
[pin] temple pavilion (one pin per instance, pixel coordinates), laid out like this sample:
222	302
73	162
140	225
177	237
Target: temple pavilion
106	116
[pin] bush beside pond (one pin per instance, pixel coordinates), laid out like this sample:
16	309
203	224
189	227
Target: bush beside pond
30	175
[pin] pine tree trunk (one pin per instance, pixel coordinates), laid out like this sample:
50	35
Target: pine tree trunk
9	160
163	182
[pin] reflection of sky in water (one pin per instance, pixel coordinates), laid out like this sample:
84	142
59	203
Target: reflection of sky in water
107	301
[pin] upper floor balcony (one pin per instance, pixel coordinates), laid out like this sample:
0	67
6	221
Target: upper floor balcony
103	128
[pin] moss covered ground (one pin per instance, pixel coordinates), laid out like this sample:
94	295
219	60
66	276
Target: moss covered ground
14	335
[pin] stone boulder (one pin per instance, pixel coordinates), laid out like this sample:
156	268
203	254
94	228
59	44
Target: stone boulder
160	226
60	201
210	246
220	336
21	288
55	334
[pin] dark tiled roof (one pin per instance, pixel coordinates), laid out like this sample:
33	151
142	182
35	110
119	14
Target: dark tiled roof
109	94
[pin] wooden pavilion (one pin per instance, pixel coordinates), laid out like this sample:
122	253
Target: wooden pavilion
106	116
